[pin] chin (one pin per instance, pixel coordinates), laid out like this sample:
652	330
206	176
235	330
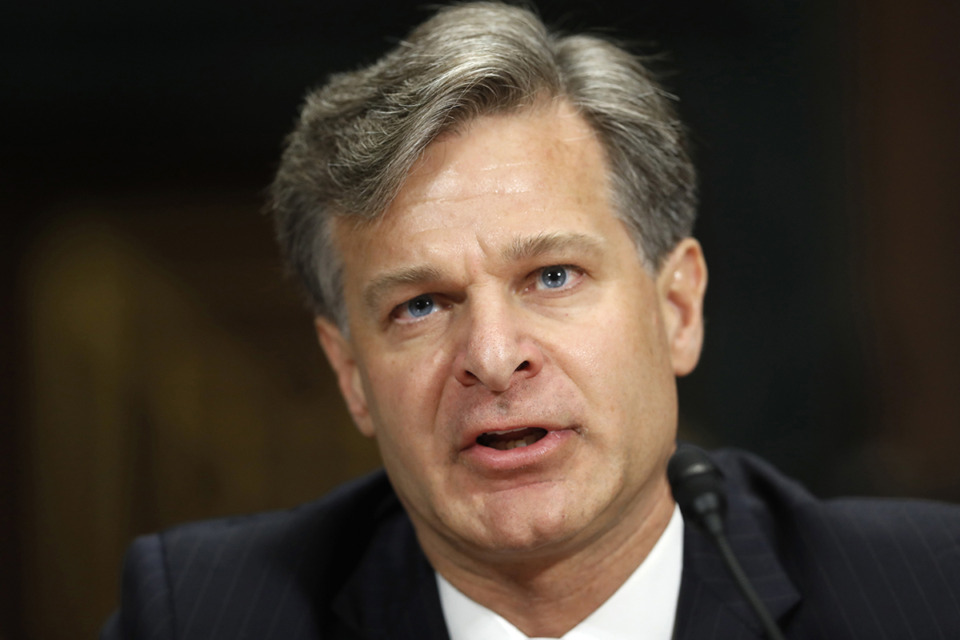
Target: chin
511	546
517	531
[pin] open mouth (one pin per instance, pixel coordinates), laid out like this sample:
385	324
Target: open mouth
504	440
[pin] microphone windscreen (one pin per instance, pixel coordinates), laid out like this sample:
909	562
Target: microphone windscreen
693	476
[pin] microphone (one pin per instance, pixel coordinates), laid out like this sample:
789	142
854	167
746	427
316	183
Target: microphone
698	488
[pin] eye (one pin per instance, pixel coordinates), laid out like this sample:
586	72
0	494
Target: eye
555	277
416	308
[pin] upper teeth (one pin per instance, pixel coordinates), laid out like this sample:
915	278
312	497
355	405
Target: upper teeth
513	444
511	438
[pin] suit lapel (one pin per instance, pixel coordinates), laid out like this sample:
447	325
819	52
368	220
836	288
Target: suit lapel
393	592
393	595
710	604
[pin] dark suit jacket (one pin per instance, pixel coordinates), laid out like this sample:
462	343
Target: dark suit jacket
349	567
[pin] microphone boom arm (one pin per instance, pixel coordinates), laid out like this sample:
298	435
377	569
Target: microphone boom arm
698	488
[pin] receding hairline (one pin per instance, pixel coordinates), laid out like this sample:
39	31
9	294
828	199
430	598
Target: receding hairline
543	104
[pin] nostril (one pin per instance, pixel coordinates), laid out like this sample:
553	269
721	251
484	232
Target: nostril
523	365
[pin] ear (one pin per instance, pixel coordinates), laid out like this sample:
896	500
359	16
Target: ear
682	283
340	354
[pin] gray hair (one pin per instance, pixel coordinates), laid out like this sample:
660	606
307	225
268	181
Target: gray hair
360	134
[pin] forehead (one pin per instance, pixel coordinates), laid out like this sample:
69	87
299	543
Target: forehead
538	148
538	159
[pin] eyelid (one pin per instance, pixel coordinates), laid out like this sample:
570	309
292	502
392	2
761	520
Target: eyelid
399	314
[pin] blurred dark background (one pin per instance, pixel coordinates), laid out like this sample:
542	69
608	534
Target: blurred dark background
159	369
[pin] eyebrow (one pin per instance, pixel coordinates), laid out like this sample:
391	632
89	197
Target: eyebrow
404	276
525	248
519	250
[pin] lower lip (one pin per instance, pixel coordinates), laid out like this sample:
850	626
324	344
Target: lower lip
541	452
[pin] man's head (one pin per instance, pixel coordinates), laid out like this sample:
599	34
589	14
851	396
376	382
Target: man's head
516	288
359	135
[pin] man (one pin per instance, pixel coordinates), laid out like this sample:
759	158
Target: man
493	224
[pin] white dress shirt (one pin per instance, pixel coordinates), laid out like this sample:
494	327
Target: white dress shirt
643	608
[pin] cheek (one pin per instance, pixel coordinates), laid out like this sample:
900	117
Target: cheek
621	364
393	379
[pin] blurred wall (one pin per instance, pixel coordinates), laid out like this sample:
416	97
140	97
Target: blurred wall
907	155
159	368
159	392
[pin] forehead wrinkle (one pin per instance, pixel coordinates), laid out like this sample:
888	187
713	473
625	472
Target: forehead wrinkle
381	285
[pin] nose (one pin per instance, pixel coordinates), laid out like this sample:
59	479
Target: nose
497	349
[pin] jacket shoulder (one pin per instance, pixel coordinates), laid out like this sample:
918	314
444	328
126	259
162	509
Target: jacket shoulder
261	575
889	565
784	505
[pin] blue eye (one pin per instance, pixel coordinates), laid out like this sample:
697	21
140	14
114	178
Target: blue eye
420	306
553	277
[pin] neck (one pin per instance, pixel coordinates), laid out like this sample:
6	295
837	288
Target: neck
547	595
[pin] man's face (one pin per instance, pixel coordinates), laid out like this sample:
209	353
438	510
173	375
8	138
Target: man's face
507	348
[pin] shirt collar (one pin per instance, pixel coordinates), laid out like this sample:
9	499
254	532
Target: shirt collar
644	607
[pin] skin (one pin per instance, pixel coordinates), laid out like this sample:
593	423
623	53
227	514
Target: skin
530	308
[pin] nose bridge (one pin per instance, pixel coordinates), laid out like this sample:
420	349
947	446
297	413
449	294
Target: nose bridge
496	347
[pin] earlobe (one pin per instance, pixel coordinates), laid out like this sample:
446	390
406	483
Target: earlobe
340	354
683	282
